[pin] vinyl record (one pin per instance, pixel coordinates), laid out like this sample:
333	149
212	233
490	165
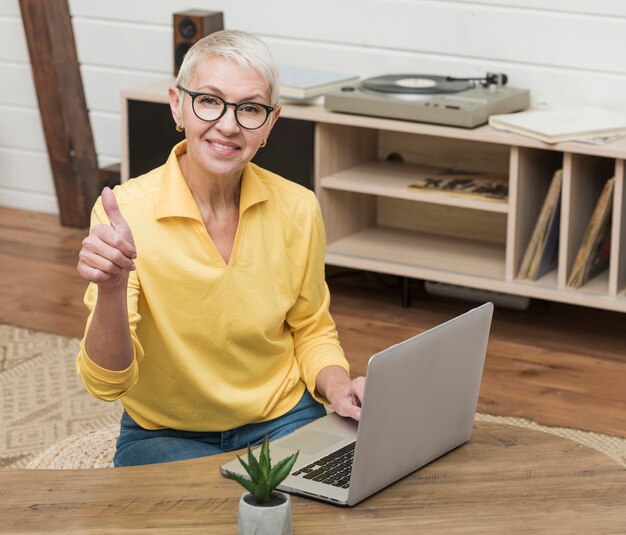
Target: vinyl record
415	84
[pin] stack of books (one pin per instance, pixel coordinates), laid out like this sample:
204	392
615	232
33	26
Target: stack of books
465	184
594	252
303	84
567	124
541	255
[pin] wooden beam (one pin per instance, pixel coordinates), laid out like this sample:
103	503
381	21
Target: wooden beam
58	82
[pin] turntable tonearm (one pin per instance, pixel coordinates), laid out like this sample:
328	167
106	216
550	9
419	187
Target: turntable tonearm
464	102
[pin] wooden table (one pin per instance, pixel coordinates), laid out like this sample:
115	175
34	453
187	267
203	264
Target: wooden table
505	480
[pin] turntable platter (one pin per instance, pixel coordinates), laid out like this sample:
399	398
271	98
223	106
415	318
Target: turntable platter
422	84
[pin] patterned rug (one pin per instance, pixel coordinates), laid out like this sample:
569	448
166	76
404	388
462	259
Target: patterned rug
48	420
42	400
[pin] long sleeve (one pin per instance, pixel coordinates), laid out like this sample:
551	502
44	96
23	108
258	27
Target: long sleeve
105	384
316	342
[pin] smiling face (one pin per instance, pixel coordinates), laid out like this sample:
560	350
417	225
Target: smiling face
222	148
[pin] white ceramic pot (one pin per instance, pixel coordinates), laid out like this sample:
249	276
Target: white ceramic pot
264	520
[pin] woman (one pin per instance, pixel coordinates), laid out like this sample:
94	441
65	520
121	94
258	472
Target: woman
209	310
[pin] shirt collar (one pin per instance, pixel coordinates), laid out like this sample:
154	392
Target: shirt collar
175	198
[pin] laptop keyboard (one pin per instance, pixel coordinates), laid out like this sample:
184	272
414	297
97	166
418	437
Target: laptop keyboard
334	469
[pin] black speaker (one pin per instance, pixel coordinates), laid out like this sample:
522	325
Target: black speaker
190	27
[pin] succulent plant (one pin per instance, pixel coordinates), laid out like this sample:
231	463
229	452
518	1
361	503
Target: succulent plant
264	477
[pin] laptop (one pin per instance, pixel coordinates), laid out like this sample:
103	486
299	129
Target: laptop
419	403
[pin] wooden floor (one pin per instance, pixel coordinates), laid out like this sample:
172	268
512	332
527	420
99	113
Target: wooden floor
555	364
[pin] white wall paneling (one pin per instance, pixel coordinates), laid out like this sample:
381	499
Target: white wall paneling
453	29
124	45
103	85
24	170
603	7
105	128
160	11
153	11
20	128
29	200
10	7
12	41
564	51
25	178
446	28
17	87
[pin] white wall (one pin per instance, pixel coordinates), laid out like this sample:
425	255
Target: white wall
564	51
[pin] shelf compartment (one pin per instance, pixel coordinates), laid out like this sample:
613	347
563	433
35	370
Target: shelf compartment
392	179
584	178
417	254
617	278
531	173
443	152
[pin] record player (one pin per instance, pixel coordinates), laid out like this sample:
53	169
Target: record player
464	102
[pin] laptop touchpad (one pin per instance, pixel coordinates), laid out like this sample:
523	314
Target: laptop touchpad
311	441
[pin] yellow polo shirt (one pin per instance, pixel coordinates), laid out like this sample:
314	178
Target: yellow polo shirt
219	345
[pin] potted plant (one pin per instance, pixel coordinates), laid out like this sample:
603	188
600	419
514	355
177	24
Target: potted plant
264	510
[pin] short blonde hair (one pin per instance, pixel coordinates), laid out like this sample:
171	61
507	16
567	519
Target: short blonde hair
245	49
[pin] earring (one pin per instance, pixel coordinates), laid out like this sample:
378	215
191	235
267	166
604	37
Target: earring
263	143
179	127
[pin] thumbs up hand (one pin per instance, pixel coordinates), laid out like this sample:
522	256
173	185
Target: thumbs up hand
107	254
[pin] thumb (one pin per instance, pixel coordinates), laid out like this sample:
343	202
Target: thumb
112	210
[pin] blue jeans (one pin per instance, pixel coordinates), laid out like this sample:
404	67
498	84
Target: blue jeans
137	445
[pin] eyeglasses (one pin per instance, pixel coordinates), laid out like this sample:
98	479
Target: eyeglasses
207	107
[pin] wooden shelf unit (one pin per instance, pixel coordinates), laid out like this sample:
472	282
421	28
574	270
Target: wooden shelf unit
375	222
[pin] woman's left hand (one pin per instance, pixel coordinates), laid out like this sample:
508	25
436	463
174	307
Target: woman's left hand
344	394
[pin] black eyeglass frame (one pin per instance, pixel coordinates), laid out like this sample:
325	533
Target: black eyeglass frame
236	105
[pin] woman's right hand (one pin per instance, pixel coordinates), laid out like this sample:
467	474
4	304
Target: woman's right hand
107	254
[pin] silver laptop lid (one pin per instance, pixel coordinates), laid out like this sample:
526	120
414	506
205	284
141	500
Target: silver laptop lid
420	401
